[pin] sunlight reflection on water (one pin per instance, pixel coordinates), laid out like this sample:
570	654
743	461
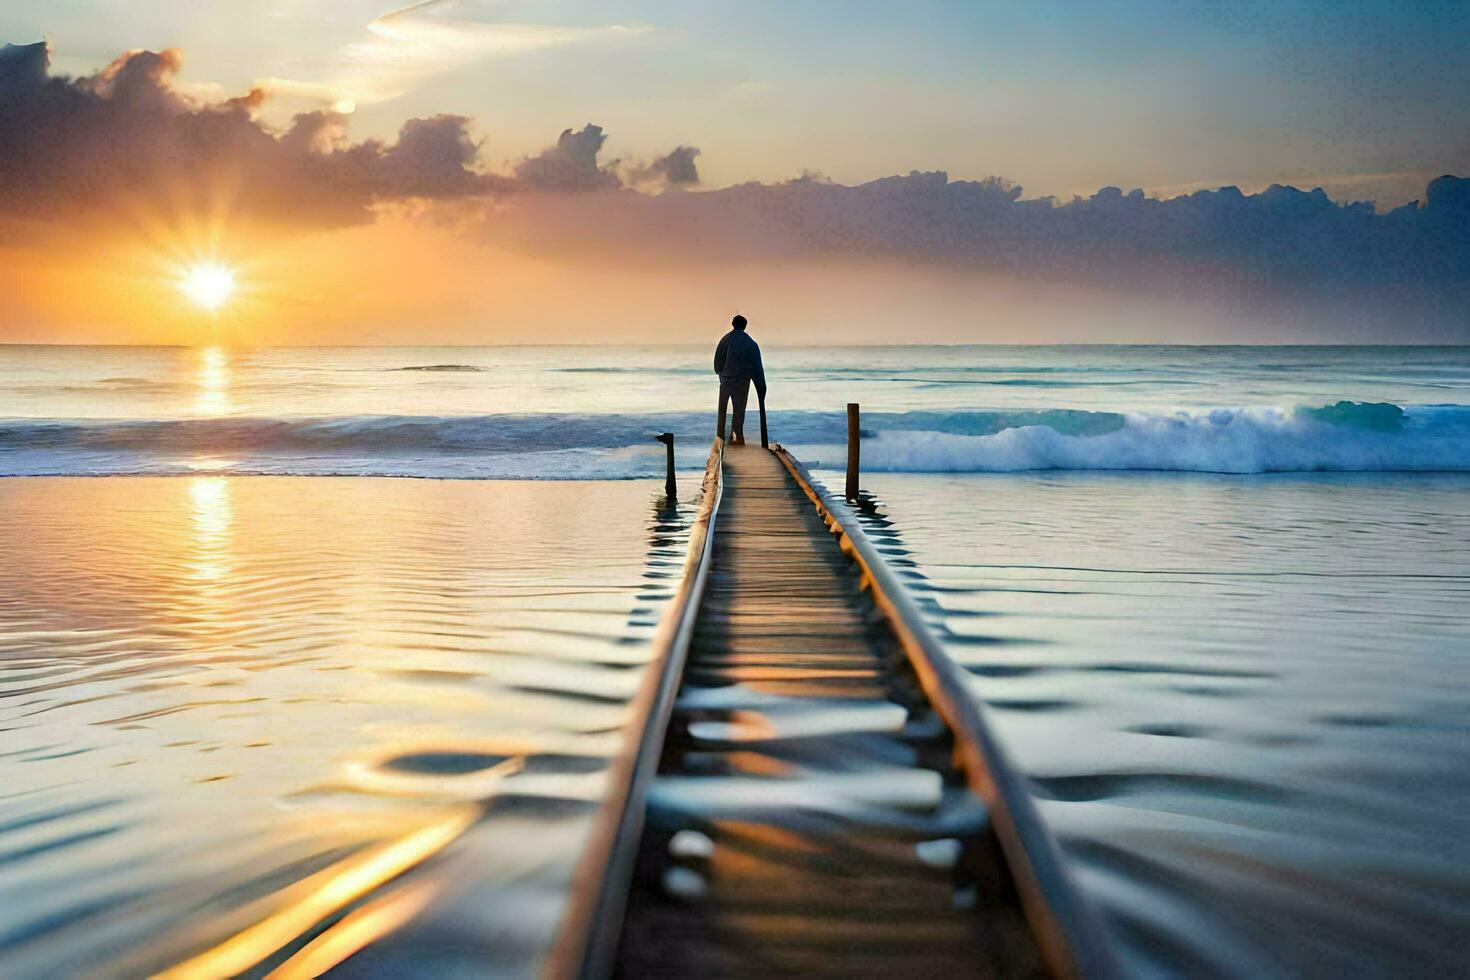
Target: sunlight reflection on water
213	396
212	517
238	710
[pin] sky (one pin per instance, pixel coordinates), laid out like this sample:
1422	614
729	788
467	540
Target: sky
481	224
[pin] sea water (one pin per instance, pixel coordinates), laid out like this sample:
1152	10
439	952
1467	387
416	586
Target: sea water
590	412
238	709
1243	701
1212	598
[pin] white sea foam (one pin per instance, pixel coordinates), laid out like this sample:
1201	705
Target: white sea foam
1345	436
1226	440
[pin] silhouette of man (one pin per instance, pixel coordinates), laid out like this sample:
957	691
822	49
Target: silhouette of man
738	363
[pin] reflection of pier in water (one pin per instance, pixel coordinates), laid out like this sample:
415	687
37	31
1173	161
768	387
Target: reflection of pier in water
812	788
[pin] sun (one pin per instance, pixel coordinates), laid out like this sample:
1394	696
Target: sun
208	284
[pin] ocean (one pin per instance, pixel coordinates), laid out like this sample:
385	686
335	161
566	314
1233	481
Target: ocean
1212	599
1242	700
589	412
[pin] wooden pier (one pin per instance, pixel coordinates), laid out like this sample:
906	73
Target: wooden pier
812	788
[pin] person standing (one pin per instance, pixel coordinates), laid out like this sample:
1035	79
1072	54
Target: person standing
738	363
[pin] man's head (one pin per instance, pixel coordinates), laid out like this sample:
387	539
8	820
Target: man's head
738	323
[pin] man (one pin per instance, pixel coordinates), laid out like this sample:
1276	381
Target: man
738	363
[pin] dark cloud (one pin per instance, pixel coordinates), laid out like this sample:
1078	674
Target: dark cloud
433	157
573	165
1448	198
141	81
675	169
1285	252
127	134
570	165
23	66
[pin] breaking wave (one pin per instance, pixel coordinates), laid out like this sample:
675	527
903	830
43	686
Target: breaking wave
1346	436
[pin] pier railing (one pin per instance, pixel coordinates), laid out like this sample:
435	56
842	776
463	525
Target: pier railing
1067	930
588	934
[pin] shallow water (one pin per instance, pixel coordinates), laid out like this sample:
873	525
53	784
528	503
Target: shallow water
242	706
237	702
1241	700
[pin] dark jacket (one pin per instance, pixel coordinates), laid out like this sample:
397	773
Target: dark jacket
738	358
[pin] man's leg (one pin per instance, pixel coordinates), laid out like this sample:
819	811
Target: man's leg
739	392
724	403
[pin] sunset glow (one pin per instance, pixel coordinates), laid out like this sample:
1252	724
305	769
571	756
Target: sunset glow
208	285
639	488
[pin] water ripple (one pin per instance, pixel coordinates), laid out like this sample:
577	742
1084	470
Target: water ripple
240	713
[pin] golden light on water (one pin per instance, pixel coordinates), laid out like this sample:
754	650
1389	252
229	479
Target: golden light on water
317	897
213	382
208	284
213	520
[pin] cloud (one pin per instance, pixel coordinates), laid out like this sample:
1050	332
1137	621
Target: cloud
23	67
127	135
433	157
1389	189
1296	255
409	45
74	147
570	165
674	169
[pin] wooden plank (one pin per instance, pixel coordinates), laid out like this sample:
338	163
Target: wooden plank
811	822
1070	935
587	935
827	799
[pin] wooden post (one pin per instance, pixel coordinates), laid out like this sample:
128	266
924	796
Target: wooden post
854	450
671	487
765	439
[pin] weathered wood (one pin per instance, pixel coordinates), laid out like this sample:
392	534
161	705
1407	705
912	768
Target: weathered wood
588	933
854	450
1067	929
671	486
765	436
795	752
827	798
